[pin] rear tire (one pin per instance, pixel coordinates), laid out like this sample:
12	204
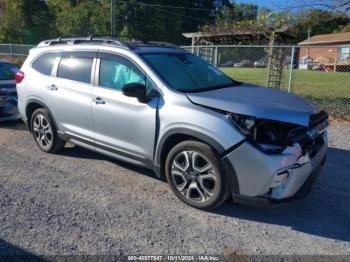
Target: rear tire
195	175
44	132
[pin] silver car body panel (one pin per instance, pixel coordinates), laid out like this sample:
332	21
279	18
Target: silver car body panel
136	132
260	102
284	173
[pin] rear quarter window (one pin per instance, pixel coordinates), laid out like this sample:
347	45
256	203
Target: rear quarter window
44	63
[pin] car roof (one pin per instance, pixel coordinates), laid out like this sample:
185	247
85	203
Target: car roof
7	62
92	42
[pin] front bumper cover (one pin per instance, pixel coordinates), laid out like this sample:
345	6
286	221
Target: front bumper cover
271	180
264	201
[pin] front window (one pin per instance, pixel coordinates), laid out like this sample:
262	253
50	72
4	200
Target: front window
116	72
187	73
8	71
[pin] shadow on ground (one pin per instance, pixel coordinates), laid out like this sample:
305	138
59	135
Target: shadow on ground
9	252
78	152
325	212
14	124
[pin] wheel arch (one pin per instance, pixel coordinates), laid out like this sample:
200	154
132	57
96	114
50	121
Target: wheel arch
175	136
32	105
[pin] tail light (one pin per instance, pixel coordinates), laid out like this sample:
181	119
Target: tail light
19	76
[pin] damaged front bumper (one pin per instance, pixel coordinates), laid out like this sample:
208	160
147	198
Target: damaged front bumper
272	180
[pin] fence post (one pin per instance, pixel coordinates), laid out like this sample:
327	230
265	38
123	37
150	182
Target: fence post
11	50
216	56
291	70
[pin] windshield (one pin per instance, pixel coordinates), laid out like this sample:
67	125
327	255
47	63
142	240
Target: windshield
187	73
8	71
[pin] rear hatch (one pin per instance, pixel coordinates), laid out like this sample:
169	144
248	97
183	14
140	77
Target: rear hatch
8	87
7	80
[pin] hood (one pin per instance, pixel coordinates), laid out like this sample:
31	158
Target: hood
256	101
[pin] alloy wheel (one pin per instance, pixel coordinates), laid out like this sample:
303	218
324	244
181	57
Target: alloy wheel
194	176
42	131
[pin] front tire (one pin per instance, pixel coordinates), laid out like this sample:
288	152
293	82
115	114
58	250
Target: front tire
44	132
196	176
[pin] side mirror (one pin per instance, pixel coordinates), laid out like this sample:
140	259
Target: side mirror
136	90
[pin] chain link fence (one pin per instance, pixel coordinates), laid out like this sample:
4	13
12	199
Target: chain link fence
319	73
14	52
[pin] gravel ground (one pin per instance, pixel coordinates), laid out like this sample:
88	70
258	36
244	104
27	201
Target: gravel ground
79	202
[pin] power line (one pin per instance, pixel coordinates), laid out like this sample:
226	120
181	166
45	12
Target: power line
327	6
168	6
157	7
178	14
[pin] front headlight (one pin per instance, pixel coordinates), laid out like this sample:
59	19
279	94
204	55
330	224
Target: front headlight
244	123
268	136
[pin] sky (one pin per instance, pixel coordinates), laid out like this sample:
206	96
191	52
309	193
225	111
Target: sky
268	3
280	4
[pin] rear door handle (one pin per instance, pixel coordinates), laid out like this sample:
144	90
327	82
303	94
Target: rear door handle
52	88
99	101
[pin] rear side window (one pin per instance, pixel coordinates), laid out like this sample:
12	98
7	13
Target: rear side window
76	68
8	71
44	63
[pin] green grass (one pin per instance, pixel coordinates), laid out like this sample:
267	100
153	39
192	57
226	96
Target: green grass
331	90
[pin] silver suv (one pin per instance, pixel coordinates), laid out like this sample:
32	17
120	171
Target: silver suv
160	107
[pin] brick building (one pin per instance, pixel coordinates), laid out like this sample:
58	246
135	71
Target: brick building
330	50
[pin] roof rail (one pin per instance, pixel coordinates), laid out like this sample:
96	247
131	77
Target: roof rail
82	40
105	40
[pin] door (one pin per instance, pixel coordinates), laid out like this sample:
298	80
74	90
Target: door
68	96
124	127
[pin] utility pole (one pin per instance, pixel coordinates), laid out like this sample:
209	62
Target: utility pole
113	18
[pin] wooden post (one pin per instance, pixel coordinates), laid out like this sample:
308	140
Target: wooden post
335	62
270	56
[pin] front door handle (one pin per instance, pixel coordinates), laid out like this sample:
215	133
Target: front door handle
52	88
99	101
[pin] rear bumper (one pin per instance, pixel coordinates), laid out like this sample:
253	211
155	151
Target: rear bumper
9	109
264	201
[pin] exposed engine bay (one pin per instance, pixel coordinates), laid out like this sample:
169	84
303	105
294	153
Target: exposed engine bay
273	137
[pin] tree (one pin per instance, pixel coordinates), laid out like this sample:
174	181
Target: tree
24	21
344	28
151	20
229	12
11	23
73	18
157	20
316	21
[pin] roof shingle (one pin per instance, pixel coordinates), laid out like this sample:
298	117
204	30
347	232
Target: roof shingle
327	39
